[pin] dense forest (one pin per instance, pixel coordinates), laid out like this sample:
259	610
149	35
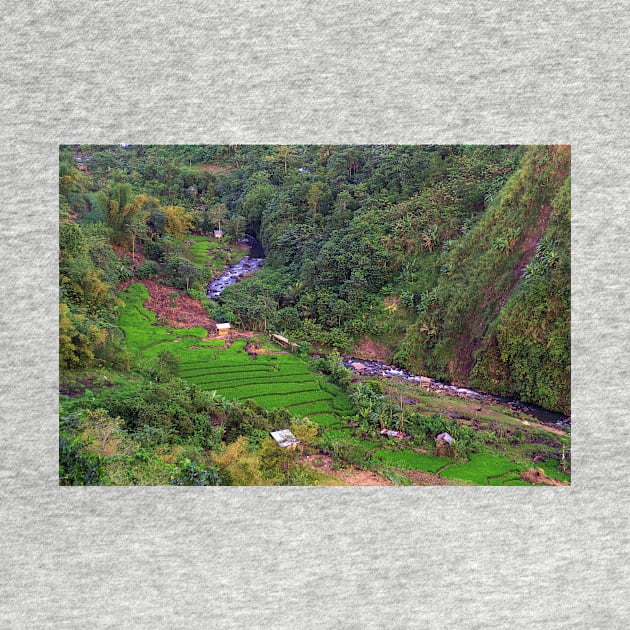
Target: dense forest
452	262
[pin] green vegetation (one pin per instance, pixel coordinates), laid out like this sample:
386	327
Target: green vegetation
500	311
207	252
482	469
140	325
453	261
408	459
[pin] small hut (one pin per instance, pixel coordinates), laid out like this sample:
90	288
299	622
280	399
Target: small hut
218	234
443	444
285	438
223	329
283	341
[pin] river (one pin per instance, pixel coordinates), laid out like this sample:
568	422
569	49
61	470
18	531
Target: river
244	268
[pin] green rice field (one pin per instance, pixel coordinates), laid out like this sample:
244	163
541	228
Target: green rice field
486	469
274	381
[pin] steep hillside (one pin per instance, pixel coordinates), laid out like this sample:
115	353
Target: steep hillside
498	317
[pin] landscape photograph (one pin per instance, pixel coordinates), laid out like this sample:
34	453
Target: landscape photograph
314	315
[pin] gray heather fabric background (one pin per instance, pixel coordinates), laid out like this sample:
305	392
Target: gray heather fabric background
298	72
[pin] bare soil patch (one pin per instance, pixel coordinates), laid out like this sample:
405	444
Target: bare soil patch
253	348
78	388
544	427
350	476
177	309
537	476
462	362
421	478
123	252
173	307
215	169
371	350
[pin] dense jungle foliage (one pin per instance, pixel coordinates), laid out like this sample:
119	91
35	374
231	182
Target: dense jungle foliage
455	259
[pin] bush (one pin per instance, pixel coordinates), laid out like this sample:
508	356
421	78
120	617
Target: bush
148	269
154	251
197	294
339	374
191	474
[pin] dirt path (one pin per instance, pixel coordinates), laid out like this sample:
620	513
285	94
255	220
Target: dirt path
421	478
215	169
542	427
538	477
253	348
122	253
351	476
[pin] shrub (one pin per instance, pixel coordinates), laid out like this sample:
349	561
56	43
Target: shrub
190	474
148	269
154	251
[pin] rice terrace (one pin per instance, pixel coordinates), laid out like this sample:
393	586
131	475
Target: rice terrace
275	380
315	315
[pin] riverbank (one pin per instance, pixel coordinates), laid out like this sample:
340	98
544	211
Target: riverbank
364	367
245	267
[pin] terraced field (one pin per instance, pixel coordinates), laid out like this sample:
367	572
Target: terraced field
273	380
486	469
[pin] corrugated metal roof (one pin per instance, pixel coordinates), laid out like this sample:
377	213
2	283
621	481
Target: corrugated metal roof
445	437
223	326
396	434
280	338
284	438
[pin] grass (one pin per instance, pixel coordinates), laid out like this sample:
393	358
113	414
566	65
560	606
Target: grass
282	401
309	409
509	479
482	469
551	468
513	437
323	419
408	459
200	249
206	251
259	390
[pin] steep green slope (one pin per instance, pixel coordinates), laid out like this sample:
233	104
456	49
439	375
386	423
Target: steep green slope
498	316
530	342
